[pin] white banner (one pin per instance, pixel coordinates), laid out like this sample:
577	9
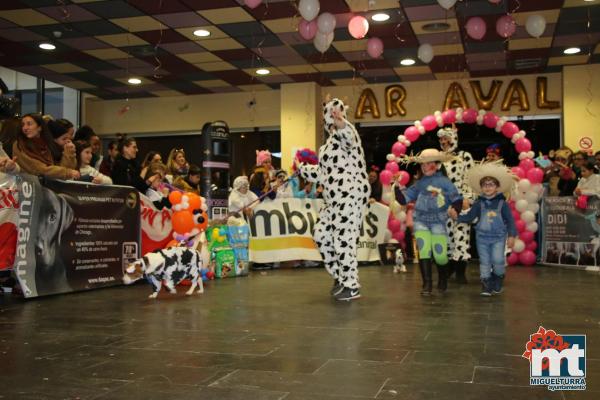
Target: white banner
281	230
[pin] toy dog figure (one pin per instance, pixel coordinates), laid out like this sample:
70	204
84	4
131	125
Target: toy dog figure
170	265
399	267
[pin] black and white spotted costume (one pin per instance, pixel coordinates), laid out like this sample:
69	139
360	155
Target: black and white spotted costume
342	174
459	235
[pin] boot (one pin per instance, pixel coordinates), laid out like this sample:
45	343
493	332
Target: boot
486	287
450	268
461	267
426	275
442	278
498	281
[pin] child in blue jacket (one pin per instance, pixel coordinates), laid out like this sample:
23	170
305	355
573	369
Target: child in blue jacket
433	194
495	222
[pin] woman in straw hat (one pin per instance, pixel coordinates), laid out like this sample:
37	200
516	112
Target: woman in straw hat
433	194
495	221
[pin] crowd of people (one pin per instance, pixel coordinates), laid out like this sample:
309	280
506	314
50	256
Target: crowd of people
52	148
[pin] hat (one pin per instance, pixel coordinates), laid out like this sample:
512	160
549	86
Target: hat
262	156
306	156
494	169
431	155
494	148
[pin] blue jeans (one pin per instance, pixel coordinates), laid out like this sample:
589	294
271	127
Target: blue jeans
491	256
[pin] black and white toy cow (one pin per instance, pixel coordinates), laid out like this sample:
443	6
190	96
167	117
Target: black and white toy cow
170	265
399	267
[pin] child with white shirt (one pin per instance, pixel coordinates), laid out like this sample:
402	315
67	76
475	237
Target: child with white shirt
588	185
88	173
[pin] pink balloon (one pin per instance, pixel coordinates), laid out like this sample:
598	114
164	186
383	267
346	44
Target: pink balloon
403	178
392	166
509	129
429	122
470	116
449	117
476	28
394	225
516	215
385	177
374	47
495	1
399	149
526	164
252	3
506	26
490	119
399	235
513	258
522	145
526	236
531	246
535	175
412	133
358	27
307	29
518	171
527	257
511	204
521	225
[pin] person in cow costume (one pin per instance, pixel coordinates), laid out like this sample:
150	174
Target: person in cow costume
459	234
342	174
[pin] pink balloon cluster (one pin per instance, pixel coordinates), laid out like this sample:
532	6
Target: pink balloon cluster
526	194
476	27
398	230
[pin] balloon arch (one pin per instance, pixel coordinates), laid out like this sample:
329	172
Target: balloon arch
525	195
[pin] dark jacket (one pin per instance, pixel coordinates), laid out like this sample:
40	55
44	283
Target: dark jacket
491	205
127	172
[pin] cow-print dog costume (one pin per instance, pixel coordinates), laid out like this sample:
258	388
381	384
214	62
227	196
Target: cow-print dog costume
459	235
342	174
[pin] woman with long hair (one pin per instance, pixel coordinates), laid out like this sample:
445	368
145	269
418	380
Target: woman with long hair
126	170
177	164
38	154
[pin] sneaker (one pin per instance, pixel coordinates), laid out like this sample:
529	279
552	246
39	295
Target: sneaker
336	289
347	294
486	289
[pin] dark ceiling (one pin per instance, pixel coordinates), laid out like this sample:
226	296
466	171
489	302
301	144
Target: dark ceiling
101	43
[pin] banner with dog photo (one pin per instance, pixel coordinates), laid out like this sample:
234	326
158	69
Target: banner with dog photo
571	234
74	236
281	230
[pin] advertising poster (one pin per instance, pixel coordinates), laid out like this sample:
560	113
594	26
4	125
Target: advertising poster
74	236
281	230
9	216
571	236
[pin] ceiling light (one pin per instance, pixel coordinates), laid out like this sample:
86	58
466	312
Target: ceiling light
263	71
572	50
202	33
47	46
134	81
408	61
589	1
380	17
436	27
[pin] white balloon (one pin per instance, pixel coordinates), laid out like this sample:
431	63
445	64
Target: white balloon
517	195
447	4
386	198
394	207
528	216
309	9
538	188
532	227
535	25
524	185
387	235
519	246
425	53
326	22
534	208
531	196
401	216
322	41
521	205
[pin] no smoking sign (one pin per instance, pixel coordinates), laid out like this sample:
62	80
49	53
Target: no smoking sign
585	143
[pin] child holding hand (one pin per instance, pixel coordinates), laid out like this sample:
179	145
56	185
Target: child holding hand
495	225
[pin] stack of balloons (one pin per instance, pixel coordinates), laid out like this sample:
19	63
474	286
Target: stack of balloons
525	197
189	217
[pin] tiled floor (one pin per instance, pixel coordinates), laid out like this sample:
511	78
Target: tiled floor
278	335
